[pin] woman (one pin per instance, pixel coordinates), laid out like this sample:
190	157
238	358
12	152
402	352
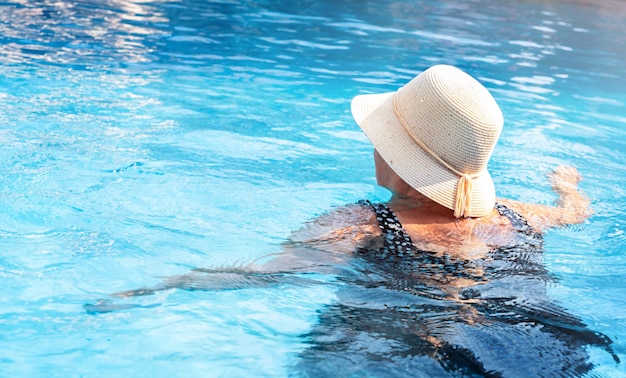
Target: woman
471	264
442	279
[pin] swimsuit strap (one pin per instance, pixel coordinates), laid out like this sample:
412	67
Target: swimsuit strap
396	239
517	220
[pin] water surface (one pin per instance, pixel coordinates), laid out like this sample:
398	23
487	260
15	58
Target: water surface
143	139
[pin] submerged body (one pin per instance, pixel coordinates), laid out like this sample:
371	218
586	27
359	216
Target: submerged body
404	310
424	294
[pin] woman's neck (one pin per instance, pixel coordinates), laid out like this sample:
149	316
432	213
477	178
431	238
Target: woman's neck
404	202
416	200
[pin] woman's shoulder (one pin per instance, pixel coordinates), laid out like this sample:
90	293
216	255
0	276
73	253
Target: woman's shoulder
542	217
349	223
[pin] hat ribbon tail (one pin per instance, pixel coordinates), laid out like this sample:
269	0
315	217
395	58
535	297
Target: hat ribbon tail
463	196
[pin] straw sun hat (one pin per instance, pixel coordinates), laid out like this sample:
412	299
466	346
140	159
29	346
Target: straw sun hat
437	133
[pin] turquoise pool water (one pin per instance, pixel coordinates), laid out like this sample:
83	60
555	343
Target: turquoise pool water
142	139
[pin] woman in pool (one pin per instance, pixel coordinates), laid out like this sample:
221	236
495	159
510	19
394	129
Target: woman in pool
443	278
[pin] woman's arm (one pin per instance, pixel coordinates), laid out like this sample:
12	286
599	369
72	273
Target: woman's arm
322	246
572	205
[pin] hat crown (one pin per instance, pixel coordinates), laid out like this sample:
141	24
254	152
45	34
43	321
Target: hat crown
453	115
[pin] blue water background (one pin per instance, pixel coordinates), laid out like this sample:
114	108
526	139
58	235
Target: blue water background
143	139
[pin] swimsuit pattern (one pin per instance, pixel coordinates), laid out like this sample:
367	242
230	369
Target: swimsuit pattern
396	240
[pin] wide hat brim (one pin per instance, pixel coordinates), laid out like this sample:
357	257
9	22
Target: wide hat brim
374	113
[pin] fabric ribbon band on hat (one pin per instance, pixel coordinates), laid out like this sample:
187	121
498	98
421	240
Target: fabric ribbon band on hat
464	187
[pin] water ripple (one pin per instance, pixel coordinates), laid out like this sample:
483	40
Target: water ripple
77	33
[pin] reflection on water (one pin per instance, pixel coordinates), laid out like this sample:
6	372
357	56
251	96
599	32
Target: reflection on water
78	34
273	38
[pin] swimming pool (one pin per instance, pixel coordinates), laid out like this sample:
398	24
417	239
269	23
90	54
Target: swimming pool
142	139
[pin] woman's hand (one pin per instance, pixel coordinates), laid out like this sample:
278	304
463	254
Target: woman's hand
565	181
572	205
